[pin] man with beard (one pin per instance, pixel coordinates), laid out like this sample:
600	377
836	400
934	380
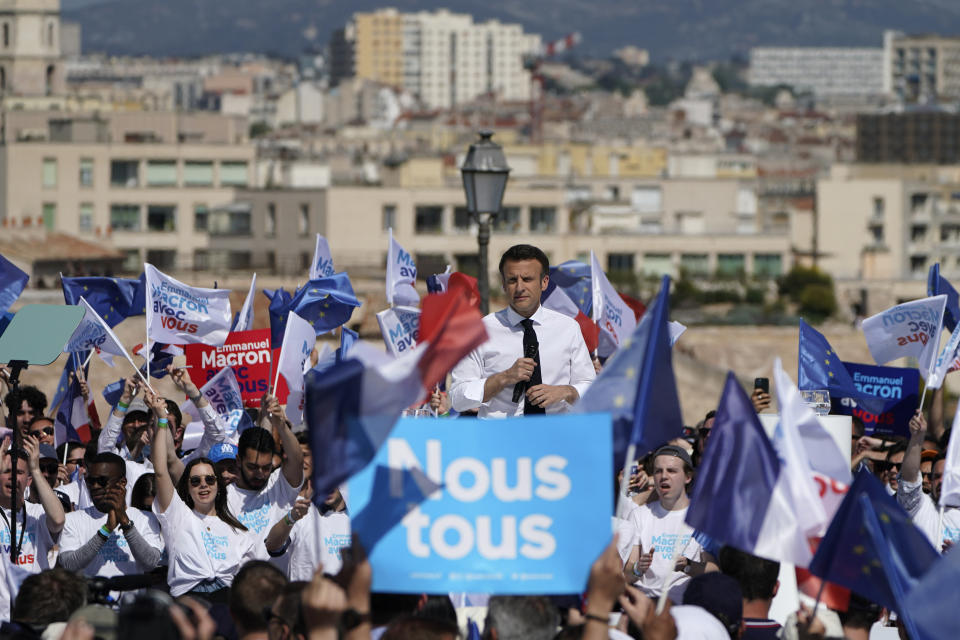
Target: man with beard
261	496
108	539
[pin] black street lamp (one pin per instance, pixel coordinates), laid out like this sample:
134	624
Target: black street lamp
485	174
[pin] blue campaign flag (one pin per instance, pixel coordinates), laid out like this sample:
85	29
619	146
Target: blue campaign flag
637	387
872	547
898	386
525	505
938	285
819	367
115	299
933	603
278	309
326	303
574	279
12	282
113	391
736	479
347	339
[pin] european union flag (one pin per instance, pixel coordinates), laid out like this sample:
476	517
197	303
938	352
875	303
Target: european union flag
872	548
115	299
933	603
12	282
735	482
938	285
279	306
637	386
819	367
347	339
574	279
326	303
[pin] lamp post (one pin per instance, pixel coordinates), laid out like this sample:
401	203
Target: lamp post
485	174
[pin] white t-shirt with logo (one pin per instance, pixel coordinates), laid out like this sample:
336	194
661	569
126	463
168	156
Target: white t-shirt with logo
260	510
317	539
34	552
203	547
114	557
926	515
667	533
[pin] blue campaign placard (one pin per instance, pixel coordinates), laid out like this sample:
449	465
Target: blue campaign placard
525	505
895	384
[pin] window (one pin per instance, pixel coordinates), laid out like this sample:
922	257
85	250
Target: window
201	216
49	215
85	218
131	260
303	221
239	260
86	172
647	200
508	220
198	174
305	259
49	173
389	217
696	265
430	262
161	217
124	173
462	220
620	262
730	264
234	221
270	222
6	34
468	263
161	173
162	259
543	219
658	264
878	207
125	217
428	219
767	265
233	174
201	259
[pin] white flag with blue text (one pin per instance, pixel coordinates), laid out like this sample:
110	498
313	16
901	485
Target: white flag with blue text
181	314
245	317
911	329
614	318
401	276
322	265
400	327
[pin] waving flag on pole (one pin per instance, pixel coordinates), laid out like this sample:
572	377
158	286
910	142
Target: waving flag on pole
399	326
115	299
299	340
322	265
437	283
451	327
12	282
637	385
819	367
615	319
280	303
223	394
556	299
950	487
911	329
401	276
93	333
181	314
938	285
575	279
933	602
244	319
325	303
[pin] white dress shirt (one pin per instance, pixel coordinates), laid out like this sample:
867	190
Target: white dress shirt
564	360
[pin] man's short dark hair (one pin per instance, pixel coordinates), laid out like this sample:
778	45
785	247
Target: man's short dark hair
258	439
49	596
73	447
860	614
137	415
519	252
900	447
521	618
414	628
257	585
113	459
288	607
34	397
757	576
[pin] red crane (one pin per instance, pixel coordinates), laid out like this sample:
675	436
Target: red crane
532	64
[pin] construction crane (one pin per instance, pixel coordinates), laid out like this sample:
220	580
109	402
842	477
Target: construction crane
532	64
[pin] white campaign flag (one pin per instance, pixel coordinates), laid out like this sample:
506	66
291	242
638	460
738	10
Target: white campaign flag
94	334
223	393
950	489
401	276
944	363
911	329
613	317
676	330
180	314
795	513
322	265
245	317
299	339
399	326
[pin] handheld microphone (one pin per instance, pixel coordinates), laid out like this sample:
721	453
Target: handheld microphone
521	387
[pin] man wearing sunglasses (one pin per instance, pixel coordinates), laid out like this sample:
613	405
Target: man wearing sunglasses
71	473
50	468
108	539
42	429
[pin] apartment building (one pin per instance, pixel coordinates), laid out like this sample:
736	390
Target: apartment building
30	58
921	136
442	57
823	71
921	68
141	182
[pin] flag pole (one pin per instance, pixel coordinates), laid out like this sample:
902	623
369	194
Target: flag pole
940	530
922	396
816	603
87	361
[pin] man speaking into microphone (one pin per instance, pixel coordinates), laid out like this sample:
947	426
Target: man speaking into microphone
534	361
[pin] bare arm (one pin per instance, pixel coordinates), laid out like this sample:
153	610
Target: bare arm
293	457
158	453
51	504
910	471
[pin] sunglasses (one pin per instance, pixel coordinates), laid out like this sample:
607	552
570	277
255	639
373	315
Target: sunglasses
98	481
42	432
208	480
77	461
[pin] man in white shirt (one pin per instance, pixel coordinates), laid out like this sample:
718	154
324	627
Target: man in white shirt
535	360
664	553
922	507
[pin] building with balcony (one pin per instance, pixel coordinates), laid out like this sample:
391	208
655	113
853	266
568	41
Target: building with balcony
823	71
921	68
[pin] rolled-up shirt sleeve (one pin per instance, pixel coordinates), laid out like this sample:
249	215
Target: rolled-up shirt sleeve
582	372
107	441
214	432
467	383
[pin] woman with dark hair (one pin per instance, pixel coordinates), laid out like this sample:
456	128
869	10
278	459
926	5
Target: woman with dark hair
144	492
206	544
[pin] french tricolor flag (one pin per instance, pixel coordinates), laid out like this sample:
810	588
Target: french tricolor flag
351	406
556	299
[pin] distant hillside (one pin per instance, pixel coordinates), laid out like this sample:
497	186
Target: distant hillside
677	29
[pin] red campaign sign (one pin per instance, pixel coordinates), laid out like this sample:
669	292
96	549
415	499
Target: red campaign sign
249	354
